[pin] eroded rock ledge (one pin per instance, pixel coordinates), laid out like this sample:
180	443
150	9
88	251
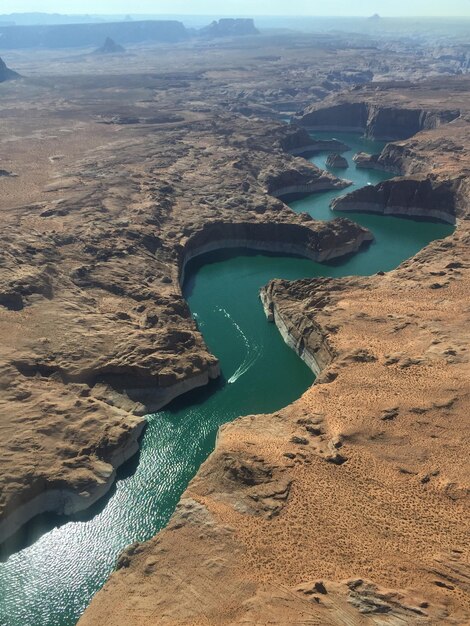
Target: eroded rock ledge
302	236
375	119
418	196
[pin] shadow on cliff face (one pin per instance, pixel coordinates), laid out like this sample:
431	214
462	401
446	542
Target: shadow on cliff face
224	255
427	198
379	121
197	396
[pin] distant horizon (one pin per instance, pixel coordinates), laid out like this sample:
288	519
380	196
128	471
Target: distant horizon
249	8
240	15
146	13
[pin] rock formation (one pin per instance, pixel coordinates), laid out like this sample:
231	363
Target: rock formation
337	161
229	27
6	73
299	179
110	47
371	110
299	142
418	196
365	160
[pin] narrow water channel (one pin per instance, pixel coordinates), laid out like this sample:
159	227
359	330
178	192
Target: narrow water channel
49	574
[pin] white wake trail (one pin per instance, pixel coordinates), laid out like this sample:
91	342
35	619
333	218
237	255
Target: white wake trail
251	355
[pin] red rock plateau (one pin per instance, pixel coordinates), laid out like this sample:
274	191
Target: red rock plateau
349	506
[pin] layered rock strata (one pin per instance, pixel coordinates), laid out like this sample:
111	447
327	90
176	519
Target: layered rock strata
300	179
300	143
377	121
336	160
417	196
374	110
305	238
81	35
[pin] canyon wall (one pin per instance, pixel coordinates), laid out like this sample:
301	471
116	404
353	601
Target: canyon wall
426	197
305	337
312	240
375	120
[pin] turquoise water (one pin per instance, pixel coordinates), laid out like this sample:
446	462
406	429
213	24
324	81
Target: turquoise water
51	570
396	238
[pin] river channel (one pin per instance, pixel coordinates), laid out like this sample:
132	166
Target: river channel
51	570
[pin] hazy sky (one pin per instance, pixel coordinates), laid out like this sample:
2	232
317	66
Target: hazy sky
248	7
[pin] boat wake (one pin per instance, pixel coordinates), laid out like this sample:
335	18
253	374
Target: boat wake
252	350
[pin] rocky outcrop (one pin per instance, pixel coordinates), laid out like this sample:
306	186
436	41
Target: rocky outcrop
379	162
6	74
229	27
375	120
424	196
298	142
365	160
300	178
67	491
337	161
435	151
110	47
307	339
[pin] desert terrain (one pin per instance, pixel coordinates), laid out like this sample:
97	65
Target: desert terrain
351	505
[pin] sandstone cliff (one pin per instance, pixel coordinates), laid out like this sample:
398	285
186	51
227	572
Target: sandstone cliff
371	109
418	196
